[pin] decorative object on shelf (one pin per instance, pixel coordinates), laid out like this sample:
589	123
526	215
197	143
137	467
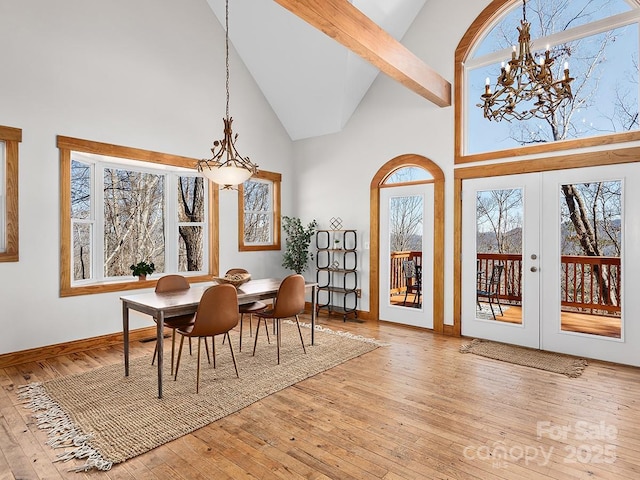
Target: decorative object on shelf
227	167
296	255
335	223
235	279
336	270
142	269
525	87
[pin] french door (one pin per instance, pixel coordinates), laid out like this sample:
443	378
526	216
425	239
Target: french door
565	242
406	235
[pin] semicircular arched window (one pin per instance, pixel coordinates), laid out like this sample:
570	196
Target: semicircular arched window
407	175
598	40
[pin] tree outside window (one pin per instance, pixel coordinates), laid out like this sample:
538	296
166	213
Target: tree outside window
600	41
130	206
259	210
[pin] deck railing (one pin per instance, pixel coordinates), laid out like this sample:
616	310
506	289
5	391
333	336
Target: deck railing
587	284
398	282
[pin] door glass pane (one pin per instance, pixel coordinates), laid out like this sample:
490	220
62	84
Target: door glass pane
406	215
591	242
499	223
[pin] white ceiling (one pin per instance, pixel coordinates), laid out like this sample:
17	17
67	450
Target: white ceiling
313	83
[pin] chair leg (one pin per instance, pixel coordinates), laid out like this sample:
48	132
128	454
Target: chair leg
206	347
240	343
300	332
233	356
179	356
173	347
267	330
499	306
155	353
277	320
255	340
198	364
213	349
491	306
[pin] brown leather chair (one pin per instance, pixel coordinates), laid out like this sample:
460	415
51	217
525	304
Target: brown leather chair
248	308
217	314
166	284
289	303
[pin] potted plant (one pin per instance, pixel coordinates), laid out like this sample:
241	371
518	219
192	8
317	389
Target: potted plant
296	255
142	269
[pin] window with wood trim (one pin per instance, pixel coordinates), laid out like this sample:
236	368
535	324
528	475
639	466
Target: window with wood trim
123	205
259	212
9	139
598	40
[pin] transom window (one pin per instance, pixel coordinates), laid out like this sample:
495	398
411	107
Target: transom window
599	41
123	211
259	212
408	175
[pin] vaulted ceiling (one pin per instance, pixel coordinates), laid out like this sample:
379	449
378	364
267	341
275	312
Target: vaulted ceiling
313	83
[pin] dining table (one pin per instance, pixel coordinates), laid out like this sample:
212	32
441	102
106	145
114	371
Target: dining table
171	304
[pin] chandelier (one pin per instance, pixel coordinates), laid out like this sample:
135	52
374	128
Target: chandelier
525	88
227	167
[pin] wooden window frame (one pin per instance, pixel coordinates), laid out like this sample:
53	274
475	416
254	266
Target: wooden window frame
66	145
11	137
276	179
486	20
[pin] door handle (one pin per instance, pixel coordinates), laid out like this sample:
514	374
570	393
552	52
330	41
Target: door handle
534	269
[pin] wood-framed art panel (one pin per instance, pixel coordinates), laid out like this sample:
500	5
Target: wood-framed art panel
11	138
66	145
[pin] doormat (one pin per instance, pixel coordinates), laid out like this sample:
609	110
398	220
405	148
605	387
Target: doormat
528	357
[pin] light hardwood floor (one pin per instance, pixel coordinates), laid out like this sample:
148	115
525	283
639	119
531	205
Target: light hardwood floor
416	409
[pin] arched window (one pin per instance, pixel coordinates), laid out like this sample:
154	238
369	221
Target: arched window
598	39
408	174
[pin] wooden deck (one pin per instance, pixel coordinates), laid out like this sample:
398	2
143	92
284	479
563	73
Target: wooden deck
573	322
416	409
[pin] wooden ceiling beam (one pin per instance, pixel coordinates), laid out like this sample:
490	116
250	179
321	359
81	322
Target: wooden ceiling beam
349	26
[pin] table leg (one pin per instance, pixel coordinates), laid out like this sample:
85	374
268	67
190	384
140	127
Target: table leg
125	337
160	344
314	301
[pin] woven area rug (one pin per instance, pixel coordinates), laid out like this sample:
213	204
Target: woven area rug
104	418
529	357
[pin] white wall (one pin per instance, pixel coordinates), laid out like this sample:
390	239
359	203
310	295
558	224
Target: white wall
336	170
146	74
150	74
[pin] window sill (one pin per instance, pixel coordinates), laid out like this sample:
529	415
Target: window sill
120	286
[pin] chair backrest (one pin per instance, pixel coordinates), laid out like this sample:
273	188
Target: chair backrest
496	274
172	283
409	268
217	311
233	271
290	297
